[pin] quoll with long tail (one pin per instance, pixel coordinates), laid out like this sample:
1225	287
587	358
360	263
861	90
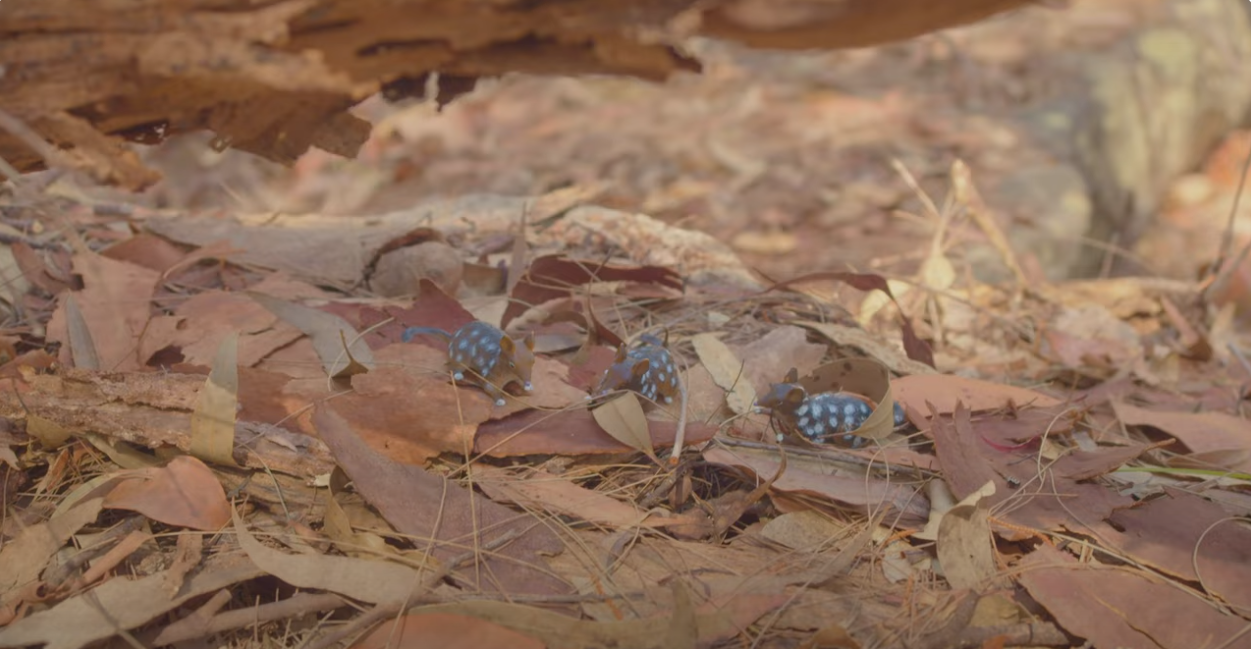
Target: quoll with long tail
482	354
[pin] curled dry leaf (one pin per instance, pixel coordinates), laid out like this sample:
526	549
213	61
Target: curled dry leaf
727	370
862	376
622	417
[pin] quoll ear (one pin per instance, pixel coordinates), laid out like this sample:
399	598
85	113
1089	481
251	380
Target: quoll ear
530	341
621	354
507	345
795	396
640	368
792	376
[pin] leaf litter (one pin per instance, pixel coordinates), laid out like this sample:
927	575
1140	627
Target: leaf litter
221	418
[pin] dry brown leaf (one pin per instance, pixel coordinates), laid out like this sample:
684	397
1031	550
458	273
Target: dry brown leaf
814	478
1121	607
146	250
82	348
809	531
23	558
184	493
966	548
427	506
384	411
1189	537
342	351
341	524
1201	432
377	582
1037	498
49	433
445	631
198	325
714	621
862	376
115	305
213	420
727	370
945	391
571	432
768	359
831	637
622	418
541	490
120	604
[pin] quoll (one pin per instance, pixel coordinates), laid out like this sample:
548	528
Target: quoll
483	355
646	368
819	417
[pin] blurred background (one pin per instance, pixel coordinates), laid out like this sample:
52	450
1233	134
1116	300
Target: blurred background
1103	134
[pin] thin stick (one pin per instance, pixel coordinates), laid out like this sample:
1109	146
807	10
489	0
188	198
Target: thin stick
30	138
679	437
195	626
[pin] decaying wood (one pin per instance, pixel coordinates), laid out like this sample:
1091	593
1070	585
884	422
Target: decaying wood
152	410
275	78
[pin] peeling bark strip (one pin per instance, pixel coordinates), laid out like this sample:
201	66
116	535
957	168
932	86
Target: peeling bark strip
277	79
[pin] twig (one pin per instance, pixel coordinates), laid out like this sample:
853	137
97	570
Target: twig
30	138
828	454
1222	269
197	626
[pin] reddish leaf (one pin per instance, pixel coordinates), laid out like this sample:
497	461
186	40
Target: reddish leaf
1118	607
555	276
184	493
427	506
917	349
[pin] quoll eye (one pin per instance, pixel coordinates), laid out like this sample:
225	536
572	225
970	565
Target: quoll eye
512	364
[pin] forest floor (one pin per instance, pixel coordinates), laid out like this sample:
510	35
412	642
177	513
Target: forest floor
216	433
